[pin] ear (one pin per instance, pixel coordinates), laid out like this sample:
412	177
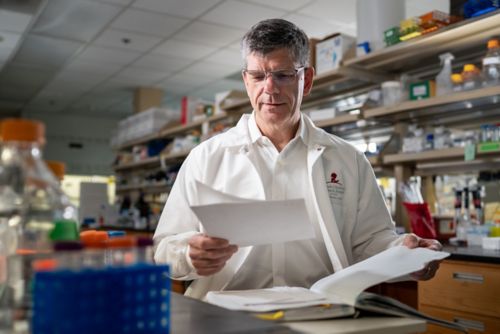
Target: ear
308	80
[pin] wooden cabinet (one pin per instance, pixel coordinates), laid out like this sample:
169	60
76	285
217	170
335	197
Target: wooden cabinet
463	292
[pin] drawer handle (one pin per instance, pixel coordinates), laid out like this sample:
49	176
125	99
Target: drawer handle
470	324
468	277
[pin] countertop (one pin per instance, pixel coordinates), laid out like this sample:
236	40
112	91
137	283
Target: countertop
473	254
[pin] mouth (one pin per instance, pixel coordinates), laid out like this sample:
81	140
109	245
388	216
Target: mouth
274	104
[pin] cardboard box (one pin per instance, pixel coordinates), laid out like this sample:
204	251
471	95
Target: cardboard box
332	50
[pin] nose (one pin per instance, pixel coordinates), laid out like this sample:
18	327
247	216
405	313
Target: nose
270	86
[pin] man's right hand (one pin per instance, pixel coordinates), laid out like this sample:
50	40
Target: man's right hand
209	255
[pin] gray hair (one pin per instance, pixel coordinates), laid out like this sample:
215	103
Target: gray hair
273	34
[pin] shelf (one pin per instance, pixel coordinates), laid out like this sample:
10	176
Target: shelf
149	162
170	131
337	120
462	38
145	188
459	97
175	156
455	153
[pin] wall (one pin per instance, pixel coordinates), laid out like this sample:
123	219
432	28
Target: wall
95	157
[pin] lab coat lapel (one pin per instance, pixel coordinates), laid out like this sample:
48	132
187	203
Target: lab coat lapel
327	221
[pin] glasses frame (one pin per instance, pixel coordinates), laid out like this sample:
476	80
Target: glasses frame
273	75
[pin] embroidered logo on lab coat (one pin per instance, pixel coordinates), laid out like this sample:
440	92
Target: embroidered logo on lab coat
335	187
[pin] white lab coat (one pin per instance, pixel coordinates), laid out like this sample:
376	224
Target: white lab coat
353	217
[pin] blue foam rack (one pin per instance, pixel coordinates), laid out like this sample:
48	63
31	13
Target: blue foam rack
133	299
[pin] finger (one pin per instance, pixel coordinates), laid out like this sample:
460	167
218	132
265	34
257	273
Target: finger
209	271
431	244
201	263
206	242
212	254
411	240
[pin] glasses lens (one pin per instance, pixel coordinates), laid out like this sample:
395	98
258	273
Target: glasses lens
284	77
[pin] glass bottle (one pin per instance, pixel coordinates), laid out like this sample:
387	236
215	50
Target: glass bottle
471	77
491	63
35	209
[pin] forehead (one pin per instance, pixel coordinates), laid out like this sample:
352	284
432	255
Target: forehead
278	59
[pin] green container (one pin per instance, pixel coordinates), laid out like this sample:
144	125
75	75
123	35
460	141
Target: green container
391	36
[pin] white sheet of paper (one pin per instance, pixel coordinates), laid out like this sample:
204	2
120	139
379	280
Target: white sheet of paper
392	263
252	222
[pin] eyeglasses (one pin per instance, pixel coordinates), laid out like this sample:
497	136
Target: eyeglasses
281	77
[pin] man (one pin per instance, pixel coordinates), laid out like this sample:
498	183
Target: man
277	153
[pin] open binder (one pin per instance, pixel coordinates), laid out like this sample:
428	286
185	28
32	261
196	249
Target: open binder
340	294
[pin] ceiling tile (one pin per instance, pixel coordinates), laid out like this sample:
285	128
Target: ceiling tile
186	79
226	56
162	63
184	8
8	40
126	40
211	70
176	89
14	21
46	51
183	49
103	55
149	23
16	93
240	14
25	75
117	2
314	27
209	34
92	67
132	83
75	20
334	11
142	74
289	5
87	77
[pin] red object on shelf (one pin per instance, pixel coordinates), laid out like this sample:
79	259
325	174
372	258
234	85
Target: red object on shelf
421	221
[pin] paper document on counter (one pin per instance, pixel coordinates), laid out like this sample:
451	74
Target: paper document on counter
246	222
342	287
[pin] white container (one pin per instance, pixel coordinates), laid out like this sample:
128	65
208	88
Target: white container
331	51
391	93
373	17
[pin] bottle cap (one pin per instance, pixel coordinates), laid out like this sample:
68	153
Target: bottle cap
94	239
16	129
469	68
456	78
121	242
58	168
67	246
143	241
493	43
64	230
115	234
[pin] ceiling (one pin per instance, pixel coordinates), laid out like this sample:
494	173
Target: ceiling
86	57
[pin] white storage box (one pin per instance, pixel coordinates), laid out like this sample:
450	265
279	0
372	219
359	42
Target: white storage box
491	243
321	114
331	50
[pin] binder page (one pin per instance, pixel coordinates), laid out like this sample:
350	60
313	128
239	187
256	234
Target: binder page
392	263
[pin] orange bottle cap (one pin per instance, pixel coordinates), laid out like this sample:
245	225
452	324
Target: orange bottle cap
493	43
57	167
44	265
456	77
94	239
122	242
16	129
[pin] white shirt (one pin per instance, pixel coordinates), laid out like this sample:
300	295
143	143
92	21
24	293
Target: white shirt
297	263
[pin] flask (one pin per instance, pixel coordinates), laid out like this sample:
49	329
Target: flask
471	77
491	64
444	85
35	208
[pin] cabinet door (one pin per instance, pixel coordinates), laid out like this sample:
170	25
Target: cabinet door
464	286
476	324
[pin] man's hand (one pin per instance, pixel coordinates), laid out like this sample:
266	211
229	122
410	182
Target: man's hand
413	241
209	255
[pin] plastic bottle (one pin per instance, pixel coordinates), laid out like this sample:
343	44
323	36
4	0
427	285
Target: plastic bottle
457	81
34	206
471	77
491	64
444	85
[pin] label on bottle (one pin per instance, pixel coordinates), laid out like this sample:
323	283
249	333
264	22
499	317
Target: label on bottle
470	152
491	61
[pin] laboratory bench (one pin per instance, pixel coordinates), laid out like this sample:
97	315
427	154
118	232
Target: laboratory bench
466	289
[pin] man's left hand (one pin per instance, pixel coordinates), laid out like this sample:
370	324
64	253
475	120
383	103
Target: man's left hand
413	241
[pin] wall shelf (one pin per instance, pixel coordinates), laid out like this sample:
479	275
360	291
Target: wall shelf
155	188
455	153
146	163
